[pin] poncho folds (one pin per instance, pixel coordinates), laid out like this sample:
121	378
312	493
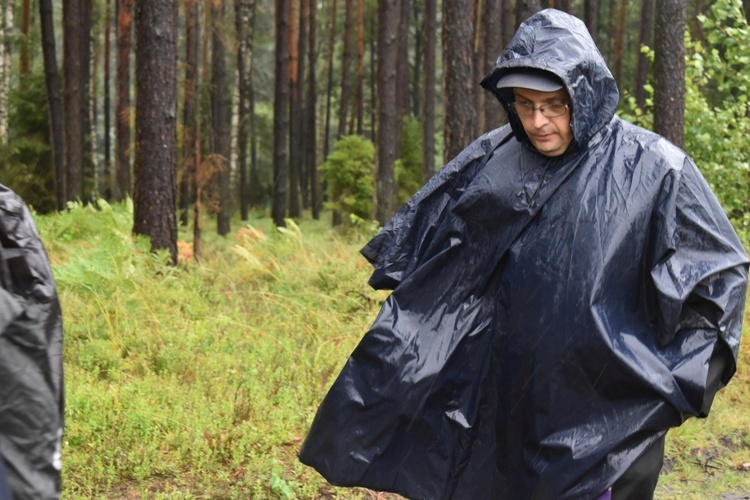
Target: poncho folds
550	318
31	365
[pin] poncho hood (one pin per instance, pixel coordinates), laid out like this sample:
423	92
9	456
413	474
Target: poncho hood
560	43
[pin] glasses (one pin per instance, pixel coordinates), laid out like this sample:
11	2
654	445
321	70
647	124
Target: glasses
552	110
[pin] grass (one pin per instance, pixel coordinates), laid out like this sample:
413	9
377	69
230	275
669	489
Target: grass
200	380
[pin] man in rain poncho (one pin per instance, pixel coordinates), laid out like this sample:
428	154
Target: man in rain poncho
564	291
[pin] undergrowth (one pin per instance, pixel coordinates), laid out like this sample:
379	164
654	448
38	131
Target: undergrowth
200	380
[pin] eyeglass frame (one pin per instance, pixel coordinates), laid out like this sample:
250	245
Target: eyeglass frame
531	108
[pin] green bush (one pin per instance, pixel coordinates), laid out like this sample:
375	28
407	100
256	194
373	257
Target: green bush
349	172
408	168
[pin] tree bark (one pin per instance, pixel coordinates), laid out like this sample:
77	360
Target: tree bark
25	68
356	126
620	41
107	184
219	118
54	104
73	98
155	187
311	113
243	13
329	86
643	65
492	48
345	69
387	127
669	70
591	17
428	109
457	71
189	110
402	70
295	107
124	183
281	114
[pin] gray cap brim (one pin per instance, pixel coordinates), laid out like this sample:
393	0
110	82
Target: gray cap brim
534	79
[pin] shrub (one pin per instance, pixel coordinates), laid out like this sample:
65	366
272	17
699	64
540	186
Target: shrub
349	172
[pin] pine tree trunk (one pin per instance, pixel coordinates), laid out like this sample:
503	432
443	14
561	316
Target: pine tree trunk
345	69
644	38
669	70
492	47
312	108
155	187
329	85
124	184
457	63
6	61
281	115
107	191
189	109
402	71
243	21
620	41
219	118
73	97
591	17
300	120
387	133
356	125
428	109
295	107
54	104
25	68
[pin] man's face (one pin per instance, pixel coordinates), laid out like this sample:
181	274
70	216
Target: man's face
551	136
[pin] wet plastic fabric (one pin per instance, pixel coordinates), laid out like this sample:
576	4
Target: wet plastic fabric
31	371
550	318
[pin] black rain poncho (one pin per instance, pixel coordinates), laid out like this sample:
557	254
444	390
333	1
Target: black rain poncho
31	366
550	318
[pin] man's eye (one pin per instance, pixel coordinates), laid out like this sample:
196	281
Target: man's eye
558	106
526	105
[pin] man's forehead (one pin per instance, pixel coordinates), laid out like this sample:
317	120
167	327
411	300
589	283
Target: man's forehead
536	95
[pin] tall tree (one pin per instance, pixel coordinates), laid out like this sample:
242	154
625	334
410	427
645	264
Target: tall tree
310	114
25	42
219	117
189	109
281	114
591	17
620	41
457	81
73	96
669	70
124	185
54	105
300	123
346	68
295	107
644	39
403	102
88	168
7	27
428	109
155	187
329	84
493	29
106	111
243	25
357	125
387	127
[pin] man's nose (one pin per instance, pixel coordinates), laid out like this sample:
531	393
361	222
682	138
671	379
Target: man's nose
538	119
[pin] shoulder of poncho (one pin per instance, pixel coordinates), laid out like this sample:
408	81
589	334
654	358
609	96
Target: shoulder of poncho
648	146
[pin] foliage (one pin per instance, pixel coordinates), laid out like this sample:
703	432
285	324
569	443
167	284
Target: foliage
717	114
408	168
200	379
26	161
349	172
